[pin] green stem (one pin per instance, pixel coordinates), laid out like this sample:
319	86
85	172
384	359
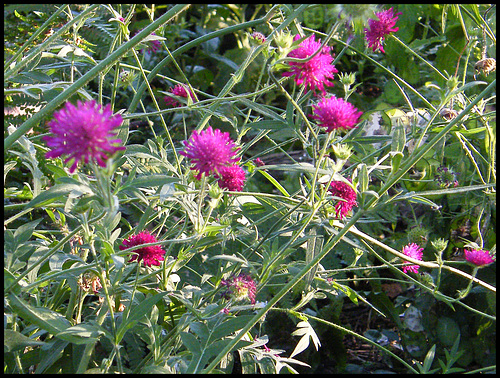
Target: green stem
111	59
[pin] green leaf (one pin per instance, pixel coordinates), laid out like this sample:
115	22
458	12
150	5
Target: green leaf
81	333
61	191
268	125
14	341
136	314
42	317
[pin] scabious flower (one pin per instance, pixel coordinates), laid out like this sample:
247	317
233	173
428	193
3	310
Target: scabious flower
231	178
150	255
380	28
446	177
414	251
259	37
344	191
315	72
83	132
153	45
181	91
335	113
210	150
240	288
478	257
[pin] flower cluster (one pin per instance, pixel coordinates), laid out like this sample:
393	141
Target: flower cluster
212	151
348	194
83	132
150	255
378	29
335	113
181	91
315	72
415	252
240	288
478	257
445	177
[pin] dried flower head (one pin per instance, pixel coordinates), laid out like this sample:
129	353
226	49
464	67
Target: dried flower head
335	113
315	72
231	178
181	91
83	132
150	255
210	150
414	251
485	66
378	29
240	288
348	194
478	257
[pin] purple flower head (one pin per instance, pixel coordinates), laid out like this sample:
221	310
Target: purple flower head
478	257
380	28
181	91
446	177
335	113
240	288
231	178
344	191
83	133
151	255
315	72
414	251
210	150
153	45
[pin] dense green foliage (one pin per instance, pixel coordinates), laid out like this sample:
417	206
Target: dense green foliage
422	160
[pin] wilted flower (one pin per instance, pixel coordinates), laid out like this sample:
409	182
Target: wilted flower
210	150
380	28
240	288
478	257
83	133
231	178
315	72
151	255
89	281
348	194
335	113
181	91
414	251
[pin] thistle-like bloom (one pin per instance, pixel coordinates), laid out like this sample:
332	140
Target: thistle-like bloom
344	191
315	72
445	177
210	150
83	132
181	91
380	28
335	113
240	288
478	257
150	255
414	251
231	178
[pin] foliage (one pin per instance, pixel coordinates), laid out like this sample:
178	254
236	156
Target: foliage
75	303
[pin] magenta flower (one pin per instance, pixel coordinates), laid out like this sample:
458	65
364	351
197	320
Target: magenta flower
414	251
335	113
315	72
231	178
380	28
240	288
478	257
181	91
153	45
344	191
151	255
83	133
210	150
